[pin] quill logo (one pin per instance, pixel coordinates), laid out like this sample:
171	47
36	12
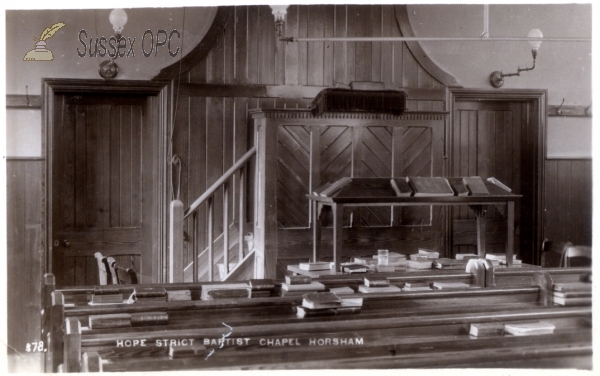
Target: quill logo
40	52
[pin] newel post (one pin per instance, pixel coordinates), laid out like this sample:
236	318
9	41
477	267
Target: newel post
265	198
176	242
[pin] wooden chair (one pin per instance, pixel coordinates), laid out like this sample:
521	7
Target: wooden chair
553	253
578	255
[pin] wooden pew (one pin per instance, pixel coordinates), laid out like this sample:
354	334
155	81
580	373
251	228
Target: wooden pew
246	310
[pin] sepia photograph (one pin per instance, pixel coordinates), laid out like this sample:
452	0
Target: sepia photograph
298	186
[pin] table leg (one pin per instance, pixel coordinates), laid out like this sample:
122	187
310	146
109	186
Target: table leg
338	227
316	231
510	232
480	211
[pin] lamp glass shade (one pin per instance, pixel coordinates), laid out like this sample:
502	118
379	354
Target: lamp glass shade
535	36
279	11
118	18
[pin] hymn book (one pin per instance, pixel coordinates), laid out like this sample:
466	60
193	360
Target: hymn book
430	186
317	300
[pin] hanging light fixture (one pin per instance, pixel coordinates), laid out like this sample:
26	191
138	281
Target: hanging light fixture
535	40
279	12
118	19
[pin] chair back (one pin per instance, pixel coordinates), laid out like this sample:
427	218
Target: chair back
578	255
553	253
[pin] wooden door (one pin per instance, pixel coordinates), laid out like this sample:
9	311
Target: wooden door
490	139
102	191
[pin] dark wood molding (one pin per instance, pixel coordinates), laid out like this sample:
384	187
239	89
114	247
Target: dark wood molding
23	101
307	114
24	159
224	14
104	86
286	91
417	50
571	111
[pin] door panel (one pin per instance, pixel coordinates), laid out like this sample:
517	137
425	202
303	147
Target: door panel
100	198
486	142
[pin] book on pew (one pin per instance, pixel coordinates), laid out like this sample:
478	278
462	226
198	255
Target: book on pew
450	286
430	186
429	253
572	301
414	264
449	264
317	300
458	186
465	256
179	295
150	294
261	284
194	349
387	268
260	293
498	256
347	306
335	187
572	287
416	286
515	263
401	187
341	290
105	299
365	260
529	328
297	279
486	329
418	257
476	185
106	290
225	291
498	183
376	281
113	320
311	266
149	318
368	290
394	259
354	268
572	294
313	286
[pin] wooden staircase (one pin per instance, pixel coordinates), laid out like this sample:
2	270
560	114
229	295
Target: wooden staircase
238	271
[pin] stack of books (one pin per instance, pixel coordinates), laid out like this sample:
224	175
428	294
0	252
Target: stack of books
327	304
106	295
377	283
261	288
449	264
311	266
487	329
529	328
572	294
299	285
352	267
225	291
341	290
429	253
419	261
149	294
416	286
394	259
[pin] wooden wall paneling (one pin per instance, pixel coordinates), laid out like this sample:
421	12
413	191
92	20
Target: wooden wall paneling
252	44
291	50
196	74
66	157
25	256
80	270
351	12
137	129
376	161
552	201
228	152
340	49
103	166
328	56
376	47
410	69
229	39
241	45
388	27
302	47
266	46
93	175
293	175
115	166
582	201
363	52
316	29
215	143
197	169
215	67
241	139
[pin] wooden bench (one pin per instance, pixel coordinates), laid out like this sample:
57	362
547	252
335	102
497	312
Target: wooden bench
274	312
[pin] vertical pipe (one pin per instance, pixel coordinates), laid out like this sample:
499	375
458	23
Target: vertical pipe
226	226
242	212
210	238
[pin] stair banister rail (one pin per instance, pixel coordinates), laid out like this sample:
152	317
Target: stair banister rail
223	181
